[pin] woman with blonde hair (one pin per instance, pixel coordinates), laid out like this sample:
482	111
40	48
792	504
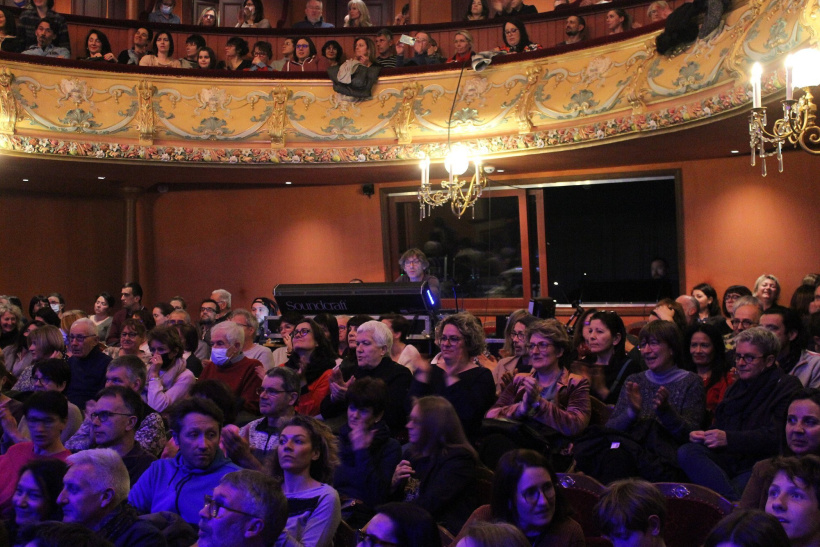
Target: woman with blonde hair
357	14
208	18
463	46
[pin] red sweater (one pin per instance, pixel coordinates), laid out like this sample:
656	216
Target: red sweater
11	462
241	377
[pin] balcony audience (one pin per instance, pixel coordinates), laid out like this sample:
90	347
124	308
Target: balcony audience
575	30
463	47
10	40
252	15
44	45
421	56
288	49
526	494
193	44
313	16
208	17
400	525
236	49
385	50
333	52
98	48
30	19
434	54
516	39
164	13
162	56
357	14
305	58
304	462
617	21
478	10
512	8
658	11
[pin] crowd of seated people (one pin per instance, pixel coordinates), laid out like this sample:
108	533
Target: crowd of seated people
118	434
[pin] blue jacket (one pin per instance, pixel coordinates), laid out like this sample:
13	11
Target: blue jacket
171	485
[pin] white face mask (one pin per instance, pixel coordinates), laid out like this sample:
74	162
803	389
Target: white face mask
219	356
166	9
55	307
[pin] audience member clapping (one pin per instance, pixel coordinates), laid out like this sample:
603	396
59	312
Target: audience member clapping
458	376
357	14
98	48
179	484
246	508
164	13
477	10
252	15
438	471
235	50
403	17
526	494
333	52
305	461
163	51
516	355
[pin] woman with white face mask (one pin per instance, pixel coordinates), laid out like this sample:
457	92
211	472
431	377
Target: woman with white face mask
164	12
252	15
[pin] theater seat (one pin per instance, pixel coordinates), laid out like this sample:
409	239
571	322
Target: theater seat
582	493
345	536
692	512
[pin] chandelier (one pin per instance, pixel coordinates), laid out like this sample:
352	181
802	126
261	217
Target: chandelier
797	126
460	193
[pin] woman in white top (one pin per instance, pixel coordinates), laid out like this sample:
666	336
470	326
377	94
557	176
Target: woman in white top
168	378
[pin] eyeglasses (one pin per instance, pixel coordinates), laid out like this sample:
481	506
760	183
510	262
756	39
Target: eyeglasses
451	339
104	415
209	16
300	333
412	262
540	346
269	392
532	494
747	358
213	507
42	380
369	540
302	46
79	337
207	310
518	335
256	54
731	297
651	344
746	323
511	31
128	334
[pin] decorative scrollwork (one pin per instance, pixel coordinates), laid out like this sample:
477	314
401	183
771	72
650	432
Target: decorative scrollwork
8	105
404	116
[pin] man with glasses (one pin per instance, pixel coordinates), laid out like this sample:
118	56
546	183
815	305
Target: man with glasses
228	364
46	414
87	362
420	56
250	446
95	492
793	358
208	311
247	508
131	298
179	484
313	16
262	56
748	422
746	314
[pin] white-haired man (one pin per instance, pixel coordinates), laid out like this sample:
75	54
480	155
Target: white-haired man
87	362
95	493
228	364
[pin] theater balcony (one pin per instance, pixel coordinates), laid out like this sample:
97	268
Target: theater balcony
534	106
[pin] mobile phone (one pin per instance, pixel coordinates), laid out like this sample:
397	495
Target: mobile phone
409	40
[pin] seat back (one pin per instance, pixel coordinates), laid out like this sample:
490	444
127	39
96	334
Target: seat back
582	493
445	535
483	487
345	536
692	512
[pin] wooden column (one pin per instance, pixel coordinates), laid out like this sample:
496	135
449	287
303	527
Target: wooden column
131	269
132	9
